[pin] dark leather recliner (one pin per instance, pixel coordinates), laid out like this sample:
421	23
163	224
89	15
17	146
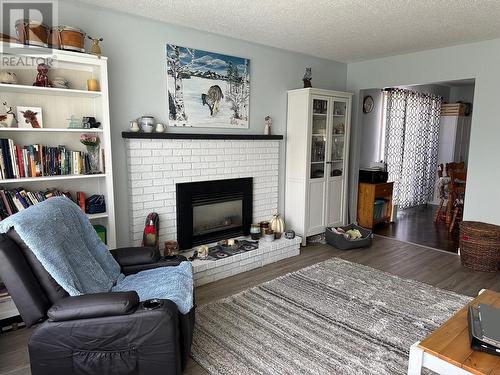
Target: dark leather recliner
103	333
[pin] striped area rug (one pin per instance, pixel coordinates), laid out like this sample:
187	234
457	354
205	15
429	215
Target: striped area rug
335	317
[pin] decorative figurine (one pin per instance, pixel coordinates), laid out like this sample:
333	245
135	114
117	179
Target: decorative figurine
60	83
202	251
8	77
160	128
89	122
95	49
268	123
134	126
171	248
8	119
277	225
74	123
42	79
307	78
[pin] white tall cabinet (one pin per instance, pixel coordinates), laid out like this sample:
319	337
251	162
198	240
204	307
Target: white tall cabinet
317	152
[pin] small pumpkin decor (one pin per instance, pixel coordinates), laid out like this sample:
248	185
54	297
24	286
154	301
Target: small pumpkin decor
277	225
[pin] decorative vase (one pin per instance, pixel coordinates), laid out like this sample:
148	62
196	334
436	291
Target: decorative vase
255	231
264	225
93	153
277	224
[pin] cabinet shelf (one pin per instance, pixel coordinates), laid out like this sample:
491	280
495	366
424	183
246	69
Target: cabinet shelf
51	91
97	216
51	178
50	130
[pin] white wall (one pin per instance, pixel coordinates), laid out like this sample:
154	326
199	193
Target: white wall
136	50
371	128
462	94
477	60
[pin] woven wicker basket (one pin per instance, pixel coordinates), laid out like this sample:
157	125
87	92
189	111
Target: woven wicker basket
480	246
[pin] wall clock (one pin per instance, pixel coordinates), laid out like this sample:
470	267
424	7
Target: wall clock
368	104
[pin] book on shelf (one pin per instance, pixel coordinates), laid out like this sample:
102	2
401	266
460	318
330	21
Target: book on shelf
38	160
15	200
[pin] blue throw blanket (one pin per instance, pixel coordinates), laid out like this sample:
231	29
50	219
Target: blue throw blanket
63	240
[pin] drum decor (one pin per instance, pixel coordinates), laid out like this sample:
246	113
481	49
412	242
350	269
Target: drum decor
62	37
33	33
67	38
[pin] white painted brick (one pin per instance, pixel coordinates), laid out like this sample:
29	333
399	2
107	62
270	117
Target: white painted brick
139	153
193	172
179	167
155	166
162	152
153	189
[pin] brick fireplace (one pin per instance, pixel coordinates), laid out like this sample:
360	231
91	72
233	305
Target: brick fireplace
157	162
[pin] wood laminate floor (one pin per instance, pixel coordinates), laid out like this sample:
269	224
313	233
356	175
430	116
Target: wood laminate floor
438	268
416	225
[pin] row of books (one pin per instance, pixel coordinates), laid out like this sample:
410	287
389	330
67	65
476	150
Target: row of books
15	200
38	160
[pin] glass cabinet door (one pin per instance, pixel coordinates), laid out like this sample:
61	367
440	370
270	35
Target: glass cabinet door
337	138
318	137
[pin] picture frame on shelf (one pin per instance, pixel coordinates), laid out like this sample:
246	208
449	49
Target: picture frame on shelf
29	117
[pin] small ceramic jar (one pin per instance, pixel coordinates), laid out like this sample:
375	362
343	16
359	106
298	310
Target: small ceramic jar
289	234
255	231
134	126
264	225
147	123
269	235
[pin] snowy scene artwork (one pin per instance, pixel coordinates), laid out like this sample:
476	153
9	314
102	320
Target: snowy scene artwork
207	89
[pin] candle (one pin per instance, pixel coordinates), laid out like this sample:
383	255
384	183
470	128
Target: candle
92	84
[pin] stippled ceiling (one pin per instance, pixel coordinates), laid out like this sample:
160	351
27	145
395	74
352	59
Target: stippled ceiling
342	30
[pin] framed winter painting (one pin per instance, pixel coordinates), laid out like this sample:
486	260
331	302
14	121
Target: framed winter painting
207	89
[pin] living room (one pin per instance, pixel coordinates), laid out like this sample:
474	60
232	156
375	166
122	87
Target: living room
228	138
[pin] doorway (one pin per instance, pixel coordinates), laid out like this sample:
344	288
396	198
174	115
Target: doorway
427	206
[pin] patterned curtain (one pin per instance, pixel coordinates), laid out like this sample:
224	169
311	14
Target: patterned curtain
411	145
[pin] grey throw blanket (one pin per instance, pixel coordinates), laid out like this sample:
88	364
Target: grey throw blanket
63	240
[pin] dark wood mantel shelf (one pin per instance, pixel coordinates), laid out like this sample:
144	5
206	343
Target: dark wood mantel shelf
142	135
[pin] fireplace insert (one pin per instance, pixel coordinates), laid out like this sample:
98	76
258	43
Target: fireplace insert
208	211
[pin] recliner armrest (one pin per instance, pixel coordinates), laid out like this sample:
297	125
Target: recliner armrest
163	262
94	306
131	256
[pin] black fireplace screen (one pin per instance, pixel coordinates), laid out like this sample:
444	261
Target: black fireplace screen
209	211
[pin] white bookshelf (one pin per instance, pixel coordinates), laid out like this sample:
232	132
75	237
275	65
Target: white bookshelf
58	105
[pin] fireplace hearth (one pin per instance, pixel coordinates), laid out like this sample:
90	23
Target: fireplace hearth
208	211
